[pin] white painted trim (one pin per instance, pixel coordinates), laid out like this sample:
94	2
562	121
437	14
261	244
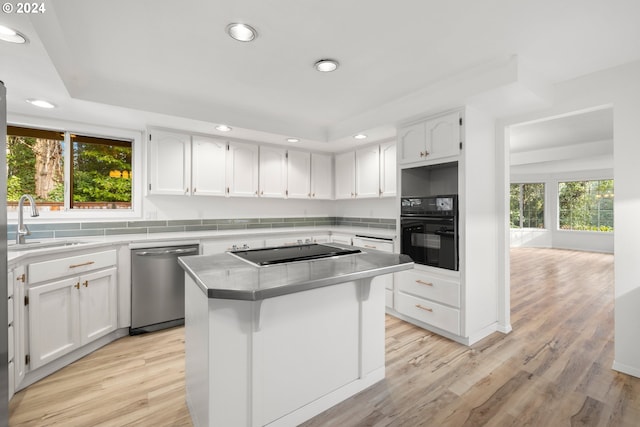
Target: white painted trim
327	401
138	148
626	369
482	333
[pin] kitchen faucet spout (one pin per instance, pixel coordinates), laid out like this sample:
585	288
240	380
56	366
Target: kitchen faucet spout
22	230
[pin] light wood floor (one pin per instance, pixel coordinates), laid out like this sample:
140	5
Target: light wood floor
554	369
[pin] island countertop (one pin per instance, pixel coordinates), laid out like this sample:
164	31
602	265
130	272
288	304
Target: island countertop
224	276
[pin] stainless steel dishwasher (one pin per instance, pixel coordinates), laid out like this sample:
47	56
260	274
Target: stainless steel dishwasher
157	287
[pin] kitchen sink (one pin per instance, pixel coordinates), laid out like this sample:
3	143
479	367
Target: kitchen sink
28	246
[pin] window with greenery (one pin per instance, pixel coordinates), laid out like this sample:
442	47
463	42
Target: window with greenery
586	205
99	170
527	205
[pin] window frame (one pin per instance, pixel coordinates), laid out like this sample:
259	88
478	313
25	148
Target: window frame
558	181
137	149
521	205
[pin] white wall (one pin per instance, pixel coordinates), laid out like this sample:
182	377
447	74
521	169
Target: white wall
386	207
620	88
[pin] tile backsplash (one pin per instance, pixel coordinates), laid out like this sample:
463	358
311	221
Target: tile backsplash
87	229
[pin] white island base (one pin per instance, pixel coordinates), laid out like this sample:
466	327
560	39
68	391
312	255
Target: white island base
282	360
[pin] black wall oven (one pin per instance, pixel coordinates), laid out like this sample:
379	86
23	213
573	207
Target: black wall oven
429	230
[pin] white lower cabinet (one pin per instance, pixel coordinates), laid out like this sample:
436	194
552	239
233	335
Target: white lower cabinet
212	247
344	239
69	313
383	245
429	312
429	299
17	372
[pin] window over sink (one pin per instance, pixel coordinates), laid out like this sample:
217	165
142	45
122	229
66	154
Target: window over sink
68	171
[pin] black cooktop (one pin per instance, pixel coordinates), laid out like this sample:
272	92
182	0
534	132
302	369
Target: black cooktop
284	254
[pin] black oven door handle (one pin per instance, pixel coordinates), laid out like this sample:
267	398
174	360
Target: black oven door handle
445	233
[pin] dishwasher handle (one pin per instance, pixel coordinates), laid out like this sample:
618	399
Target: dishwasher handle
177	251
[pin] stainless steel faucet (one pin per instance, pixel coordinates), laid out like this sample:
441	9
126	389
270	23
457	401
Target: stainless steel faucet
23	231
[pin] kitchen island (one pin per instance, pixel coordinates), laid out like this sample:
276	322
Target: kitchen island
277	345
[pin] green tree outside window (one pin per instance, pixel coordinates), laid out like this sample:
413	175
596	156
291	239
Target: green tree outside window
586	205
527	205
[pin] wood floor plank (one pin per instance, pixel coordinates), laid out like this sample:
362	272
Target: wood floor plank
554	369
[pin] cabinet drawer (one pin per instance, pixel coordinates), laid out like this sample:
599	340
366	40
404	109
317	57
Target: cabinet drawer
434	314
53	269
380	245
431	287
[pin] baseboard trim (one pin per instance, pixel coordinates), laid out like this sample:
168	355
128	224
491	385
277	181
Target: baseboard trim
626	369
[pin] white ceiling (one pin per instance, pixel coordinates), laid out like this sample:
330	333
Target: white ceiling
171	63
574	129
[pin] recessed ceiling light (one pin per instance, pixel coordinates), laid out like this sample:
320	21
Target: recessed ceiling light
293	140
360	136
10	35
326	65
41	103
241	32
223	128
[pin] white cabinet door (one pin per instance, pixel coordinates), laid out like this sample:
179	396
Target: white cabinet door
273	172
242	170
412	143
19	325
443	136
98	305
345	175
321	177
298	175
208	165
11	334
388	169
169	163
53	320
368	172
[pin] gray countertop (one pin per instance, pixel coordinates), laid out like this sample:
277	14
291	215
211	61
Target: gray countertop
156	239
224	276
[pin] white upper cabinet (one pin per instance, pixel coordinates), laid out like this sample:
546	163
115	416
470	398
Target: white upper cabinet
198	165
208	160
345	175
299	175
431	139
412	142
321	176
242	170
368	172
388	169
273	172
169	163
